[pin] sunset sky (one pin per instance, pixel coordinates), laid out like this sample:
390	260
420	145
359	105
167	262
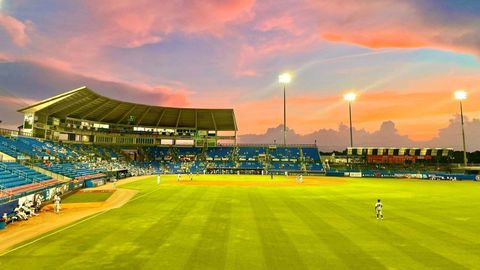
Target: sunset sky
404	58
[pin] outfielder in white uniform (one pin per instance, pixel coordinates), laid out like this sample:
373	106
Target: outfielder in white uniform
378	209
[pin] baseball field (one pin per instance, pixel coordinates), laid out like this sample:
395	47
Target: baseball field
253	222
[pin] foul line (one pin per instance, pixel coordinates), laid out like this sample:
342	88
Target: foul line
75	224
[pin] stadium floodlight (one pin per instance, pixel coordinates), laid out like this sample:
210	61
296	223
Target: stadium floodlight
462	95
284	78
350	97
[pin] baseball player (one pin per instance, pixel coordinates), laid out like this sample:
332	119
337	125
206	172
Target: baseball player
56	201
378	209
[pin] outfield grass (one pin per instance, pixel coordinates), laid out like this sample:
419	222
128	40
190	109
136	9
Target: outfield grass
84	197
428	224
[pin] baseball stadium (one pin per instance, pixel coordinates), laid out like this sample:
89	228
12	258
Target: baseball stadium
94	182
239	134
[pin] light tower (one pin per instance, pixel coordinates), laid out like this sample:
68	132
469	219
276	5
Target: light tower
350	97
462	95
284	79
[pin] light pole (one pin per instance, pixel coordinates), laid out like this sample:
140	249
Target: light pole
462	95
350	97
284	78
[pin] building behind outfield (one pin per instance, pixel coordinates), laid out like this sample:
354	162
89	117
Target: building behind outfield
83	116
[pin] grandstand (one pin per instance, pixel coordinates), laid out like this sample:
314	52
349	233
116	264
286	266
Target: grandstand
83	116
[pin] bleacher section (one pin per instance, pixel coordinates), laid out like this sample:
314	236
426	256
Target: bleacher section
240	158
250	153
71	170
173	159
219	153
17	146
251	165
93	150
284	154
311	159
35	148
158	153
14	175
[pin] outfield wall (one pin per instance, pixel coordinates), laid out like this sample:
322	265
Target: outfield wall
409	175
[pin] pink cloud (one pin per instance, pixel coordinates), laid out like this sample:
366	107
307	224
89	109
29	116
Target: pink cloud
16	30
129	24
9	100
172	97
284	23
5	57
133	24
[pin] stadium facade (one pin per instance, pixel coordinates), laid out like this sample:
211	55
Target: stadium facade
84	116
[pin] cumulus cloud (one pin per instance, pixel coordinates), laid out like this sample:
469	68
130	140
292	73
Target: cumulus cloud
386	136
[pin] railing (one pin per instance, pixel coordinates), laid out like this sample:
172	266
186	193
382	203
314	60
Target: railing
266	145
2	191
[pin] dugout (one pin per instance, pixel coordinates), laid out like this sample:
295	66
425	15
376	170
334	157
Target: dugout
117	174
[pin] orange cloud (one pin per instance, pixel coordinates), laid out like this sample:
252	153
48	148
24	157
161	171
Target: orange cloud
396	24
379	39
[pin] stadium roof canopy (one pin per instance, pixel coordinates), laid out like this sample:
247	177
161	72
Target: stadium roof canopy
84	104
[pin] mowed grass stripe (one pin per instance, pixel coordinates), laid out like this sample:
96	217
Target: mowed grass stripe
315	254
409	246
278	248
157	233
434	241
64	239
174	252
361	228
117	232
214	236
126	226
440	224
444	243
244	250
348	251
